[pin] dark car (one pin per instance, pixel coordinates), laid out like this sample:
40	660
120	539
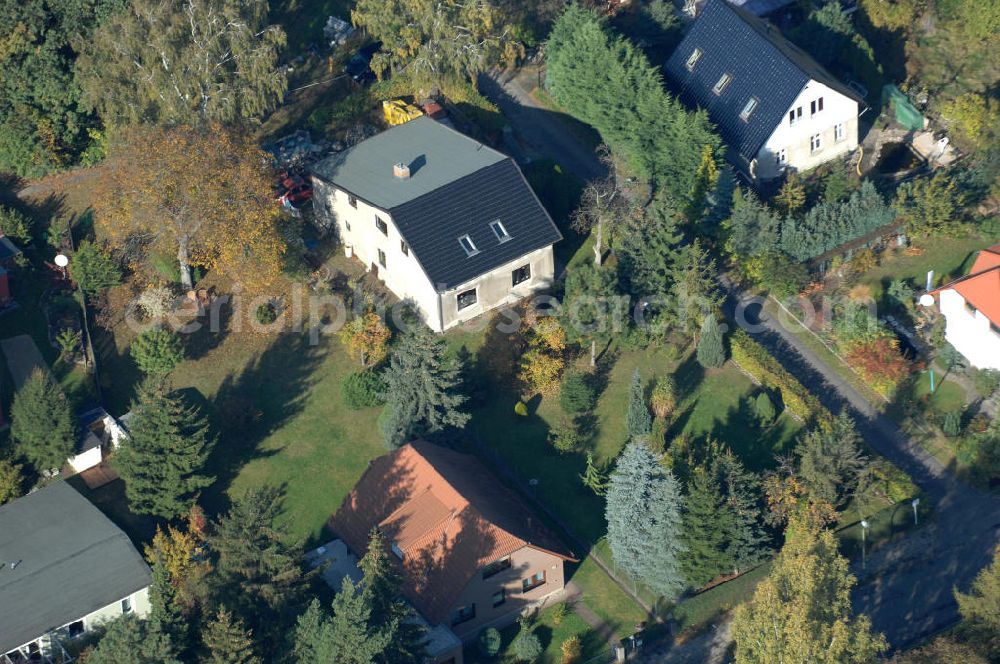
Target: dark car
359	66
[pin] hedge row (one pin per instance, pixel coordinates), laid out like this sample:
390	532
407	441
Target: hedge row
765	369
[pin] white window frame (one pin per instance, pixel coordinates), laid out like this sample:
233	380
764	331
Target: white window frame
693	59
722	83
781	157
382	225
382	259
500	231
468	246
526	266
839	132
749	108
475	299
815	143
794	116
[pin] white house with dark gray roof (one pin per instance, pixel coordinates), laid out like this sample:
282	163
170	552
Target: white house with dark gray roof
64	569
443	220
775	107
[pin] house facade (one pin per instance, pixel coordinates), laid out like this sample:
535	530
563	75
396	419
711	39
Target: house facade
971	307
64	569
776	108
442	220
473	555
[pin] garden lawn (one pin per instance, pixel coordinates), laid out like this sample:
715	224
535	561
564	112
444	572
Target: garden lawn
948	257
550	635
696	613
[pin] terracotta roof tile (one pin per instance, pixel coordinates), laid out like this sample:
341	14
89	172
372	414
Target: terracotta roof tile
447	514
981	287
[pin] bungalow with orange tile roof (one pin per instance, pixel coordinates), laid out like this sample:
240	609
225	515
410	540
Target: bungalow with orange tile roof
472	552
971	307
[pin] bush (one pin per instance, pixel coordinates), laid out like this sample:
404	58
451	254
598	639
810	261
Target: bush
564	436
526	647
950	357
951	425
489	642
521	409
764	409
93	269
572	650
576	395
558	614
986	382
15	225
157	351
362	389
266	313
663	400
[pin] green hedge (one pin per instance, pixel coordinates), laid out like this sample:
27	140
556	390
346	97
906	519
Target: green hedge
765	369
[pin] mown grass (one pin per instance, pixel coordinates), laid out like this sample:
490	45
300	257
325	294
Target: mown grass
549	634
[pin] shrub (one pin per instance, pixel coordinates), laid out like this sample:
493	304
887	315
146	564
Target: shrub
521	408
489	642
11	481
93	269
951	425
558	614
155	302
950	357
564	436
15	225
663	400
576	395
880	363
764	409
266	313
526	647
572	650
157	351
711	353
362	389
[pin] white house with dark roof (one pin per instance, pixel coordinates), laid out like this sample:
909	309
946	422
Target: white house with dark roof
443	220
775	107
64	569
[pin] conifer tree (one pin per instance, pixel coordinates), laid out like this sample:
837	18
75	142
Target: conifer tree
389	611
831	461
644	520
694	292
747	540
163	608
589	306
130	639
42	423
638	419
593	477
707	526
346	637
422	389
228	641
162	463
648	250
711	352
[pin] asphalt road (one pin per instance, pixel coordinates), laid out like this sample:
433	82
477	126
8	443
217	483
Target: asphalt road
906	588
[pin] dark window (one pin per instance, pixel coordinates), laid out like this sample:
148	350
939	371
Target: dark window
468	245
496	567
352	201
463	614
971	309
815	106
397	551
466	299
520	275
75	629
794	115
381	258
127	605
500	231
405	248
348	224
532	582
382	226
499	597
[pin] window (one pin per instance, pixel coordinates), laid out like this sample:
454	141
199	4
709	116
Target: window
352	201
971	309
496	567
468	245
838	132
693	59
781	157
499	597
749	109
794	115
463	614
466	299
500	231
397	551
381	258
815	142
348	224
127	605
520	275
532	582
721	84
382	226
405	248
815	106
75	629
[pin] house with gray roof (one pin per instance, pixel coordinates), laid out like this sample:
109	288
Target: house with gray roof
775	107
64	569
443	220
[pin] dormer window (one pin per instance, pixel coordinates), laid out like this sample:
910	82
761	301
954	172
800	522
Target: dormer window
499	231
468	245
693	59
721	84
397	551
748	110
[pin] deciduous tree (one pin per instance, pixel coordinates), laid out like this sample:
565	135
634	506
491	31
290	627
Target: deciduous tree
981	607
367	338
42	422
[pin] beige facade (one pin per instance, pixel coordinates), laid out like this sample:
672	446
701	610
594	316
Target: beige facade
369	234
508	585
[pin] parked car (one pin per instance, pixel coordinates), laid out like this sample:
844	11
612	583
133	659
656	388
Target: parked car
359	66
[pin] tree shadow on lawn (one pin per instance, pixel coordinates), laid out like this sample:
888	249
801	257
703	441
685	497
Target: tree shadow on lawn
754	445
688	377
250	406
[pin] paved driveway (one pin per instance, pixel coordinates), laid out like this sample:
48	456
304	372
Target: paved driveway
22	357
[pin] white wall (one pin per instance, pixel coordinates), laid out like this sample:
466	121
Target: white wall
969	332
795	138
85	460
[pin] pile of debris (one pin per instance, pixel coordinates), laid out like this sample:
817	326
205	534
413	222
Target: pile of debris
337	31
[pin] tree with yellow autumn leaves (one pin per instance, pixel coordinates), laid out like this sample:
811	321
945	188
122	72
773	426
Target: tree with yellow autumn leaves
203	194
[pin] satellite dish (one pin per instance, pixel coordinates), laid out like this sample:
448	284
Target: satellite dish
927	300
62	260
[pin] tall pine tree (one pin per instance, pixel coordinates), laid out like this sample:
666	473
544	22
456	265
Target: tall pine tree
422	389
707	525
42	423
388	610
831	461
164	611
163	460
228	641
711	352
130	639
747	540
644	520
648	250
638	419
695	291
347	637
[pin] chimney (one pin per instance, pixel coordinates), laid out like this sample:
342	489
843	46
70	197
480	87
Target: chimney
401	171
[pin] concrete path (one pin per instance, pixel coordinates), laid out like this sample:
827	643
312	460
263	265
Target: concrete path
22	357
574	598
711	647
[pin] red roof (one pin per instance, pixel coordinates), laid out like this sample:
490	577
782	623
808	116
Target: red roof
981	287
446	513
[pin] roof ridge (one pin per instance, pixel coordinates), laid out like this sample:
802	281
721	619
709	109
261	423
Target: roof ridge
76	553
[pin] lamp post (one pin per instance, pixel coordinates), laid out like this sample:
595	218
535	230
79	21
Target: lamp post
864	529
915	502
62	260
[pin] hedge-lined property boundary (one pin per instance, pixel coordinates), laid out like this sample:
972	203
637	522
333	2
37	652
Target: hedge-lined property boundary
763	368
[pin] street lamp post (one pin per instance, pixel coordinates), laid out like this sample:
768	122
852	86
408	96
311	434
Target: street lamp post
915	502
864	529
62	260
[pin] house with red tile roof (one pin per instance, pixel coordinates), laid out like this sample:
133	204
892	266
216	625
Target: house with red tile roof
473	554
971	307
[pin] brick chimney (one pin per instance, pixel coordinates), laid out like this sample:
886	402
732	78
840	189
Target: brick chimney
401	171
